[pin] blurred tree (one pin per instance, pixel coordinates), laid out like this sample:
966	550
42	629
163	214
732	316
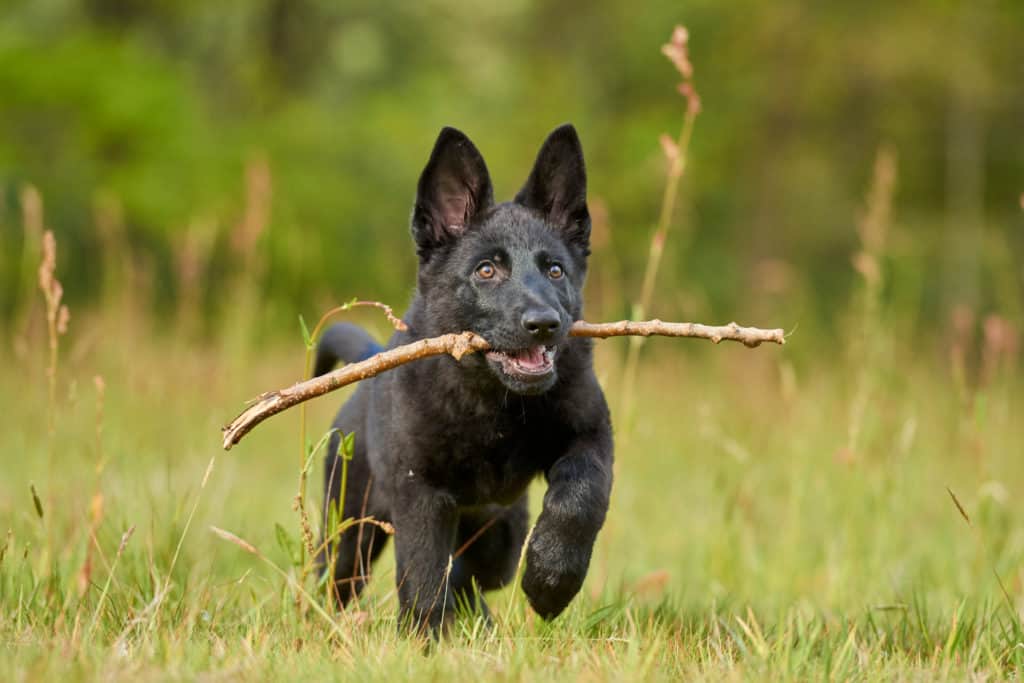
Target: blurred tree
162	104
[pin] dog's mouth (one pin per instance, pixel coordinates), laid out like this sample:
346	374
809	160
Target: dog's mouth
533	362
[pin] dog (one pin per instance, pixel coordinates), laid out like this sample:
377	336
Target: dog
445	449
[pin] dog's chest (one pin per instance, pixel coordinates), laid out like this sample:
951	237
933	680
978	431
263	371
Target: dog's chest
496	464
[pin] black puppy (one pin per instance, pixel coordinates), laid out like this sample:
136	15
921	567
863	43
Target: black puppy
446	448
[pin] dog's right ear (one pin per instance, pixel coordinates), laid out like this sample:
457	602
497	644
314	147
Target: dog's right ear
454	187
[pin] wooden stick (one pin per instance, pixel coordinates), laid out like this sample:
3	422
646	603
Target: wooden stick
458	345
748	336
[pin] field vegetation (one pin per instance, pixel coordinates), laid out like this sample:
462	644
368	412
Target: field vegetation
845	506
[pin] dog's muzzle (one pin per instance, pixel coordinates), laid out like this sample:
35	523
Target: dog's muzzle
533	362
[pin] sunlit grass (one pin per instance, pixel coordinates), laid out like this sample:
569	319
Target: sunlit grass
744	539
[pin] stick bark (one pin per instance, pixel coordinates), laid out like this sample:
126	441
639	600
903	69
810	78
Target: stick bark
458	345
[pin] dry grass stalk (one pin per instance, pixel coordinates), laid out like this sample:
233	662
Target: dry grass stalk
158	601
192	254
244	311
32	223
314	604
95	518
57	315
299	504
57	318
232	538
357	522
96	504
119	269
8	544
677	52
458	345
1001	348
101	394
256	216
983	548
961	346
873	230
305	525
110	576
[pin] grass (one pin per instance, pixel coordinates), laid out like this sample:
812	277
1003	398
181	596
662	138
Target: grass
745	539
835	509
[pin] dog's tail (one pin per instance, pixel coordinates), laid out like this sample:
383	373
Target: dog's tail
343	342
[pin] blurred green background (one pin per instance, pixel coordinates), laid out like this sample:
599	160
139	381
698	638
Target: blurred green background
211	170
137	121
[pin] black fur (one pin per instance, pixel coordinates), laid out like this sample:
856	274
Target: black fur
443	447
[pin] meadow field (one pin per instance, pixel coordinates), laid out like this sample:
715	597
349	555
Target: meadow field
182	183
779	512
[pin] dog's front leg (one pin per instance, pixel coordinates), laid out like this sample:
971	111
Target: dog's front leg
425	521
579	485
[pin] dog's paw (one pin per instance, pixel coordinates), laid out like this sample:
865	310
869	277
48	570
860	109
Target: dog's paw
554	575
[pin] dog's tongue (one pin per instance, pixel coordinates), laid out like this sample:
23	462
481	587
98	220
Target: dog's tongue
532	357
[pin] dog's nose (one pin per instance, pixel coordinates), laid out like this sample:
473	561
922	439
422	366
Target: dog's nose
541	323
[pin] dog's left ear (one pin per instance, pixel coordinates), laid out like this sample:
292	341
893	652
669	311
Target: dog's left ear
557	186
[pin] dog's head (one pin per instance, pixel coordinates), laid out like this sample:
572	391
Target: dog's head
511	272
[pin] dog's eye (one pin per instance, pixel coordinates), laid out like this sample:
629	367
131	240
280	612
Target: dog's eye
555	271
486	270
